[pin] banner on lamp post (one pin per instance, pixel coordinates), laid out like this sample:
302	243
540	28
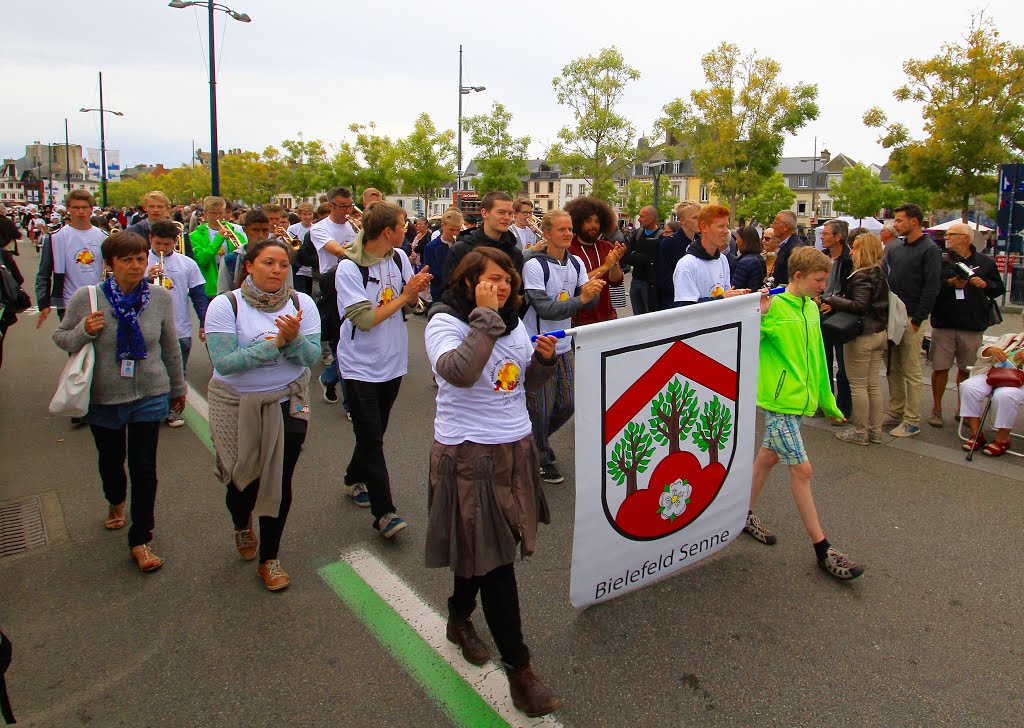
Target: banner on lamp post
113	165
665	442
93	163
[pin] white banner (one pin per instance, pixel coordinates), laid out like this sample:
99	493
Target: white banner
664	442
93	163
113	165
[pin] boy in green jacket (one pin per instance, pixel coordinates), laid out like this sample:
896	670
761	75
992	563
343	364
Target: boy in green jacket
793	382
210	245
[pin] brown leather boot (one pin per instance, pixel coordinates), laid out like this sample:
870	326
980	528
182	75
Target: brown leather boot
529	694
462	633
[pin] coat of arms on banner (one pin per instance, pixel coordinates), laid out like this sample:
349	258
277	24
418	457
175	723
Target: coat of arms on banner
669	434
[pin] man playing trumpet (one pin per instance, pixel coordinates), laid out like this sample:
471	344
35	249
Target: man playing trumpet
523	227
216	243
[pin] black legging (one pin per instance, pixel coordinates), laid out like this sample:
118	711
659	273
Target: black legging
137	441
500	598
241	502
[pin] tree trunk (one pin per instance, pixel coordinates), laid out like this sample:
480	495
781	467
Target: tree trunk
713	451
673	436
631	487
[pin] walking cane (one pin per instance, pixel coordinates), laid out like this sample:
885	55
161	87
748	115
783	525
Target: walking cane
981	424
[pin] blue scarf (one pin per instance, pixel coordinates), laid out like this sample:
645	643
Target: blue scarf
130	342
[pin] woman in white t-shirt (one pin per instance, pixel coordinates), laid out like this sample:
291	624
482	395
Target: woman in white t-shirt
262	338
486	497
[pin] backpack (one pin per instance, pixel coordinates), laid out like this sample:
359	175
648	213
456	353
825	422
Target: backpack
11	295
330	318
306	254
545	265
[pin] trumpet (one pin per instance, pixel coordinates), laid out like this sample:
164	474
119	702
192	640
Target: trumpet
160	277
287	237
179	242
230	235
533	222
355	218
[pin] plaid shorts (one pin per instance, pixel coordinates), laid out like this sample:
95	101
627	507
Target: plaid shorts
782	434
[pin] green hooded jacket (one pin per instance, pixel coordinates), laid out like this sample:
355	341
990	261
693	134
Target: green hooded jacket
793	376
205	251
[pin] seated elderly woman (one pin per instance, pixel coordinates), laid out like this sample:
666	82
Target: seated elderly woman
1008	351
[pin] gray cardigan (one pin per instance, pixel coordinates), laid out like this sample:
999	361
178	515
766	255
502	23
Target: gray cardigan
159	373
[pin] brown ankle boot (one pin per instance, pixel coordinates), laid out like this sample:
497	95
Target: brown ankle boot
462	633
529	694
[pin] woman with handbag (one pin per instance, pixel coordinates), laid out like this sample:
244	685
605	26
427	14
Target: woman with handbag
865	294
997	374
486	497
13	300
262	338
136	380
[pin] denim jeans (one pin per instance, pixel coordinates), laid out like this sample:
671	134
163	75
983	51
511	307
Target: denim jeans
640	297
137	442
332	376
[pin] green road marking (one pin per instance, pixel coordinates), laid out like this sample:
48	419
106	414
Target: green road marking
199	426
453	695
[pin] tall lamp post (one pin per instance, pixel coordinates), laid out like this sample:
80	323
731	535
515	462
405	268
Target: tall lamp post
463	91
242	18
814	184
659	168
103	143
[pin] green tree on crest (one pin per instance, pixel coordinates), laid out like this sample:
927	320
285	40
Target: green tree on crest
632	455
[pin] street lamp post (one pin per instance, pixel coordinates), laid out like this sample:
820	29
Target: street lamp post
463	91
660	168
67	156
242	18
103	143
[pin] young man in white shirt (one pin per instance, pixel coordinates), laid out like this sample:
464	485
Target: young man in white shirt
70	257
375	282
521	224
181	276
704	273
557	287
304	273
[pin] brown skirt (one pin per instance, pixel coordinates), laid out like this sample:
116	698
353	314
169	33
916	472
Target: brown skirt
483	501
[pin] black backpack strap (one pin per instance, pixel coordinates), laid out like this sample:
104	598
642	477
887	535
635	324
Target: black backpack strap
6	653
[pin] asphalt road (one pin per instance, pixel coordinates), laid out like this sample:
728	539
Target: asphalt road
755	636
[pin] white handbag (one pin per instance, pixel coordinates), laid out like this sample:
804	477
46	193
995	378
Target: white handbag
72	396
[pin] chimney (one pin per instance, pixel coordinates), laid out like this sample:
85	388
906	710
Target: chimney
825	156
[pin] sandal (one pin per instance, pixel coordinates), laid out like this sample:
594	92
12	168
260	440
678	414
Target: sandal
996	448
145	558
976	442
115	517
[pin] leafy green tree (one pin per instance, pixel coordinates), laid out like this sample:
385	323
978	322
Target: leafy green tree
600	146
972	101
632	455
426	158
773	195
734	129
673	414
502	157
379	155
306	166
714	429
639	194
861	193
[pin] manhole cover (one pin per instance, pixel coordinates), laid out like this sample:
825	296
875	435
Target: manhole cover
21	526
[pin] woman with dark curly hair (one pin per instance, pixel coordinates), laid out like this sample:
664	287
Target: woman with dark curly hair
486	497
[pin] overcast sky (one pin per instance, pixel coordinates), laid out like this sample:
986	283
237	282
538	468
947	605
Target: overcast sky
314	66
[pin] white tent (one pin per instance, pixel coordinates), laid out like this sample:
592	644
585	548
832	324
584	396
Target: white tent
871	224
945	226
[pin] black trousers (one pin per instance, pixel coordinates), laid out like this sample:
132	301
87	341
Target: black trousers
370	404
500	598
241	502
840	386
137	442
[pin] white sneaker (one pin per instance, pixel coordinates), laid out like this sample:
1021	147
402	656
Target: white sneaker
175	420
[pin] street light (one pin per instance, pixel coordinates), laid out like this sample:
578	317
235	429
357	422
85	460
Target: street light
463	91
657	178
814	183
103	143
242	18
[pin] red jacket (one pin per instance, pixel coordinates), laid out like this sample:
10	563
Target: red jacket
592	257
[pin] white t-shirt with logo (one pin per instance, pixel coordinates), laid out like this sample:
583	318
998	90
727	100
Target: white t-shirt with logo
300	232
181	274
252	325
493	410
382	353
327	230
81	261
695	278
526	237
563	280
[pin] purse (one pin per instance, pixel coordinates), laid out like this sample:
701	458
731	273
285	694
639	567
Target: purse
1004	377
72	396
842	326
11	294
995	316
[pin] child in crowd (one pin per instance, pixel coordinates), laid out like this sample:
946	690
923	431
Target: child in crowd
793	382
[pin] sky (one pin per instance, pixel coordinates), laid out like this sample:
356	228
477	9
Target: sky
314	67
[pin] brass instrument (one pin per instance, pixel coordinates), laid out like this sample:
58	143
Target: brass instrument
179	242
533	222
228	233
355	218
283	234
160	281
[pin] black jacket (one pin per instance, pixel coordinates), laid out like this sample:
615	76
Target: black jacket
642	255
781	270
750	272
914	275
970	313
476	238
866	293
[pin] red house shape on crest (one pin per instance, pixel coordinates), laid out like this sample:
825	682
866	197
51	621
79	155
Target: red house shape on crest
637	517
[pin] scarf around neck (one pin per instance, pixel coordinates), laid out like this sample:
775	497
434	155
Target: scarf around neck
127	308
263	301
461	309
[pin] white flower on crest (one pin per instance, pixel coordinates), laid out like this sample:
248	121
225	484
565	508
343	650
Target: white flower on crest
674	500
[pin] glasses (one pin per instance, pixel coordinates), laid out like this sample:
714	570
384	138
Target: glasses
342	205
